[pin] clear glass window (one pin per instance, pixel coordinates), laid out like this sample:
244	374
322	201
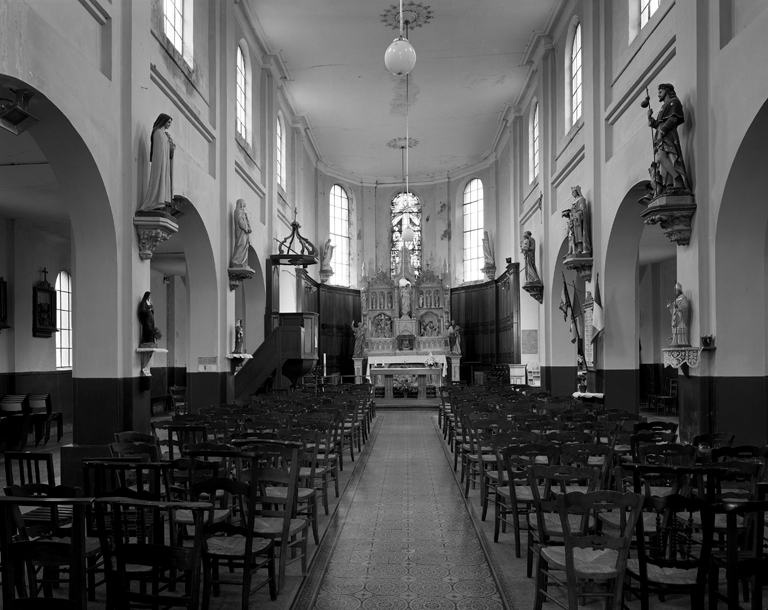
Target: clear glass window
64	321
576	76
340	235
241	119
535	142
280	154
174	23
647	9
474	260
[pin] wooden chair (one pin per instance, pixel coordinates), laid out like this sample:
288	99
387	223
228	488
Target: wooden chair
57	528
42	415
648	438
147	452
515	498
15	414
546	483
24	468
232	541
307	494
586	557
673	555
654	426
743	558
275	517
588	455
179	399
16	551
134	541
667	402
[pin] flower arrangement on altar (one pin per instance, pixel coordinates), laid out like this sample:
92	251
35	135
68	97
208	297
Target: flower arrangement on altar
430	361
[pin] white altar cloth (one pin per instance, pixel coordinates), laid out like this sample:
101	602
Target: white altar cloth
406	359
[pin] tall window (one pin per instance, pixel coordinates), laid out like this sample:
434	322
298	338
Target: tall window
177	24
647	9
535	141
406	214
340	235
280	153
242	95
473	231
64	321
576	76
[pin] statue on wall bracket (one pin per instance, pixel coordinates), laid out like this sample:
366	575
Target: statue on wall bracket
238	269
669	194
489	269
533	284
326	256
154	218
578	217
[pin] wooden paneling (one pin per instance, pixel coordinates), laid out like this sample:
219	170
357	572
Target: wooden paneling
489	317
337	308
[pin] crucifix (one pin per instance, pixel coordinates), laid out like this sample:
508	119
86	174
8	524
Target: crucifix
44	271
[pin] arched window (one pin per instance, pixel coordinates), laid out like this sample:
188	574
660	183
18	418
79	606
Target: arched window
473	231
242	120
576	75
406	214
647	9
535	142
64	321
340	235
280	139
177	25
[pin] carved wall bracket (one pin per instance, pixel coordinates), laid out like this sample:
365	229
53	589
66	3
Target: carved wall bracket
489	271
152	228
676	357
238	274
581	264
536	290
674	214
325	275
146	353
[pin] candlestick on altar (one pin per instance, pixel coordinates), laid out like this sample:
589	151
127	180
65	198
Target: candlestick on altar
325	371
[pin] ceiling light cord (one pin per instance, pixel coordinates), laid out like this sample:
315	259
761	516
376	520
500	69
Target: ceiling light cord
407	133
401	18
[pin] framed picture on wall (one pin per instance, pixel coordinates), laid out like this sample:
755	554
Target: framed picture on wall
43	310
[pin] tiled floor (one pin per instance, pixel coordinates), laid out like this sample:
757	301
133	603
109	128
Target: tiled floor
407	540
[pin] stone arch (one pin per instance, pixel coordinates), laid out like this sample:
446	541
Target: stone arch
100	331
253	304
559	372
206	295
617	357
741	285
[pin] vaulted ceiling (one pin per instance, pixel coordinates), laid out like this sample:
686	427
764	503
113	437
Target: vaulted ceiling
469	55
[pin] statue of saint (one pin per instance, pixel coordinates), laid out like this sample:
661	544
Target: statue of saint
421	300
451	336
579	240
239	347
160	190
149	334
456	349
528	248
667	151
374	302
359	332
679	310
405	301
487	254
242	236
325	264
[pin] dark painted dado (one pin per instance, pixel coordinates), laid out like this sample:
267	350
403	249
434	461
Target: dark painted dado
206	389
695	401
106	406
56	383
621	388
559	380
740	408
72	457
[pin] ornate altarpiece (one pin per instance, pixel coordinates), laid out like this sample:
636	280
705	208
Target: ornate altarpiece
406	320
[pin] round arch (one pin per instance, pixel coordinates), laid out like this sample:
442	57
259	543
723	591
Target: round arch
98	309
618	362
741	284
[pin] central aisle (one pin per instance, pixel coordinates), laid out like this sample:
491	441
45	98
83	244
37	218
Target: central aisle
407	540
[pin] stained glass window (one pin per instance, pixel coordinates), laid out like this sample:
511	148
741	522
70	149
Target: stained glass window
406	213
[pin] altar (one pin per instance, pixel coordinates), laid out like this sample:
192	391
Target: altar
406	379
406	322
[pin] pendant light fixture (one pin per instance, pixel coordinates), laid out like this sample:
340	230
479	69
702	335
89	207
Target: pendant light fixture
400	56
